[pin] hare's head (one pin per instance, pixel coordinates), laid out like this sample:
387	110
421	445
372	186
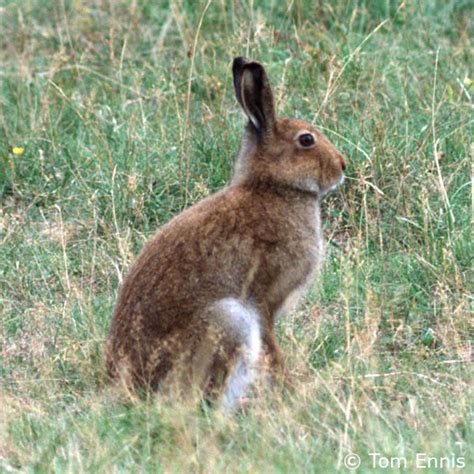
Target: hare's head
292	153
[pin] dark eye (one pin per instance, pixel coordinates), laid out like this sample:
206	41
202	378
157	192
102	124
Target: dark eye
306	140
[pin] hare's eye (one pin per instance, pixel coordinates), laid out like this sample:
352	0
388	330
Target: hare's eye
306	140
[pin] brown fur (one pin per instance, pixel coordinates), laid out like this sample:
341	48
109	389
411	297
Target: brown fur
259	240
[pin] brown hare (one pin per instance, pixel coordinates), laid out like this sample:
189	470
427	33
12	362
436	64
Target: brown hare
199	304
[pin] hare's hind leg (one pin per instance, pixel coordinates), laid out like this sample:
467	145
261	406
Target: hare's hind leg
234	340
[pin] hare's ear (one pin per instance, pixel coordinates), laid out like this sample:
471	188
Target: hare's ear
254	94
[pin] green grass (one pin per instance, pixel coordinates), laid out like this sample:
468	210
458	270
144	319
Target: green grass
126	115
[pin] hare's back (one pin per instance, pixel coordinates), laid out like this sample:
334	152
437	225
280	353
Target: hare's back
200	256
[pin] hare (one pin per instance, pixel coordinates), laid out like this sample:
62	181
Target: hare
199	304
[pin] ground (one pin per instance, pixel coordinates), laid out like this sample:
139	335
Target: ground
115	116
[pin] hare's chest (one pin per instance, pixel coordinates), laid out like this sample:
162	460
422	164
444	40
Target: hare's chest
317	247
300	268
294	285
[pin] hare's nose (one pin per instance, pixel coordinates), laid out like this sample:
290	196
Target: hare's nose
343	163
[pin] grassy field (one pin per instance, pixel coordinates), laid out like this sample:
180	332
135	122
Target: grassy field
114	116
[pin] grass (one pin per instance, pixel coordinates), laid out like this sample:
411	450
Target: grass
114	116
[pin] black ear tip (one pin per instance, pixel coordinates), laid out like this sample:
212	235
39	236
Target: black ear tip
255	67
239	63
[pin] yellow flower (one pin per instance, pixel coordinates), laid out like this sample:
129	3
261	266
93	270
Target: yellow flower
18	150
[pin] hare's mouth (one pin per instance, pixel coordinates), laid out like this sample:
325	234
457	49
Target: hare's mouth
341	181
334	186
312	186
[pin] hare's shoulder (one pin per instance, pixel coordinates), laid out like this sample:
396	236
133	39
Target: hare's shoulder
228	211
